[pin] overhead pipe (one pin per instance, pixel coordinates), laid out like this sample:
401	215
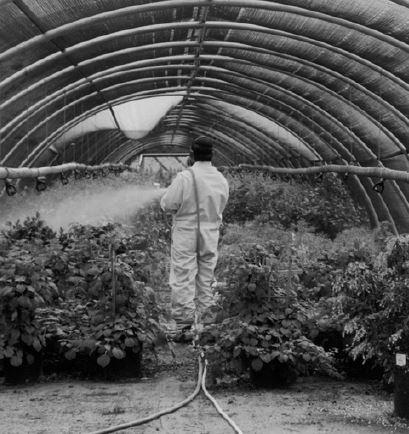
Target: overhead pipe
36	172
370	172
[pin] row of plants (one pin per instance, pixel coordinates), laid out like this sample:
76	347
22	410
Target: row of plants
58	310
346	299
265	328
303	294
322	203
370	302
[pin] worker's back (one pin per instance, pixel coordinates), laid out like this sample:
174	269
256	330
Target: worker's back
213	192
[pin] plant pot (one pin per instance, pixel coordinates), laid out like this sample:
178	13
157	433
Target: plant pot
128	367
401	395
86	365
274	374
24	373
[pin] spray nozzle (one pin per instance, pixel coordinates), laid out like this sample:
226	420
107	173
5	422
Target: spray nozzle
319	177
10	188
41	183
379	187
63	178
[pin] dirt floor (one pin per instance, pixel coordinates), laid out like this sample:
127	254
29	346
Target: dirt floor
310	406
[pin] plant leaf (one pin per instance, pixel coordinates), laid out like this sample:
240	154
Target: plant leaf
70	355
118	353
36	344
103	360
129	342
16	361
257	364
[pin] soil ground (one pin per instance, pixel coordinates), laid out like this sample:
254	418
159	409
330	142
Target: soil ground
312	405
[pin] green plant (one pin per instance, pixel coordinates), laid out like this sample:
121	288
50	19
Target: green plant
325	206
31	229
264	326
372	303
25	285
88	324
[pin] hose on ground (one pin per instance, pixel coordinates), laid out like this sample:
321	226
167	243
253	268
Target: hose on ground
216	404
155	416
201	385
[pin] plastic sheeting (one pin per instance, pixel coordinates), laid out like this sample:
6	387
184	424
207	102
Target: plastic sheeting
271	128
135	118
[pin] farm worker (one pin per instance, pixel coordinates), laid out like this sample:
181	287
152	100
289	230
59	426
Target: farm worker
194	251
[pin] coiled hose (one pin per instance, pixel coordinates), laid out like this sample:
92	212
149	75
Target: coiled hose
201	385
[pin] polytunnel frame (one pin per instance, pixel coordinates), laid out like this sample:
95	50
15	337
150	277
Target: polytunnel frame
382	201
210	68
189	25
385	206
259	4
138	47
207	79
68	125
123	68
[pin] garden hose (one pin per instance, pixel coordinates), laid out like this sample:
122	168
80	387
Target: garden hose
201	385
158	415
216	404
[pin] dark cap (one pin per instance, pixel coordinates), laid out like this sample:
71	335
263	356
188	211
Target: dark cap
202	148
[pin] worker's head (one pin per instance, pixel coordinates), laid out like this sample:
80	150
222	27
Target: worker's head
202	149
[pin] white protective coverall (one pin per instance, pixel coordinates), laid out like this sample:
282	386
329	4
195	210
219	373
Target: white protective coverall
191	275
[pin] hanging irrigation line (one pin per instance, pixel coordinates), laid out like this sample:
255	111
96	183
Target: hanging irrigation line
371	172
36	172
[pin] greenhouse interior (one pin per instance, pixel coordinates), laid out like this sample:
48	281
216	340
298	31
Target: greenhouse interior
204	216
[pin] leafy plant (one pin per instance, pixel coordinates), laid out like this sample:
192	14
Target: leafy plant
88	324
24	286
263	326
31	229
372	303
326	206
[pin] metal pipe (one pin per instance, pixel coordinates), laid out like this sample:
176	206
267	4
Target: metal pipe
35	172
371	172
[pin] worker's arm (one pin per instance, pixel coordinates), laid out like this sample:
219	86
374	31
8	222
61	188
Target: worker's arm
172	199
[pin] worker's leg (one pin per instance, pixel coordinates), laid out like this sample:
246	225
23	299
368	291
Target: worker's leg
183	271
206	264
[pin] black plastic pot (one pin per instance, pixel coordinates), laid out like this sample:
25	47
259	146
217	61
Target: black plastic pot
128	367
24	373
274	374
401	397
